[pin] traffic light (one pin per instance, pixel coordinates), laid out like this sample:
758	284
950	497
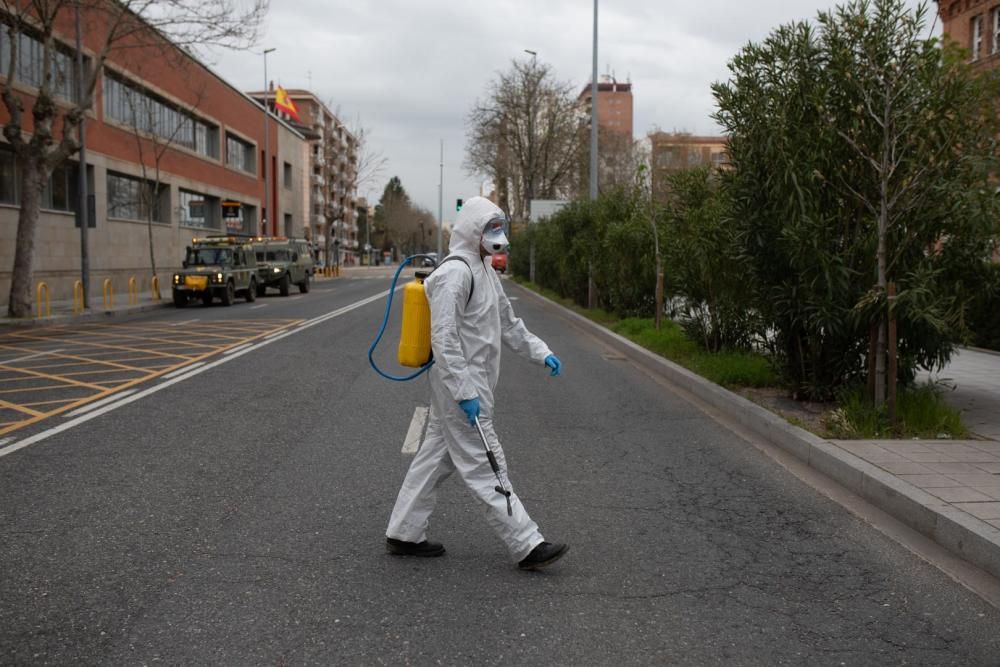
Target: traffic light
458	204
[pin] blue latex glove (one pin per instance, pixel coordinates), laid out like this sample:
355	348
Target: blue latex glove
470	407
552	361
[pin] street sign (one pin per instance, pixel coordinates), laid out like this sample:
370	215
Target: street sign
231	209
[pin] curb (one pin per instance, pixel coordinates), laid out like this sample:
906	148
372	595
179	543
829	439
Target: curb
965	536
84	317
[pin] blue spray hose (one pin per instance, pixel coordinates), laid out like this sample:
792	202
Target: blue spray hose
385	321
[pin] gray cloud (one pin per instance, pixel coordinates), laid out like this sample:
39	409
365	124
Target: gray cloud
410	71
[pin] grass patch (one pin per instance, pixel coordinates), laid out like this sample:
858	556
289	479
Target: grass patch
729	369
921	413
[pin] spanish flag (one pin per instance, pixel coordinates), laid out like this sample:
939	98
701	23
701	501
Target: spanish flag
282	102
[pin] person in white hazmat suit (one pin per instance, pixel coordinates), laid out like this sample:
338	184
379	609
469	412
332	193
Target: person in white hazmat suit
470	317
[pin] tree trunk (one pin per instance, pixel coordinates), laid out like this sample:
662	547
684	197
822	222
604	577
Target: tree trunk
33	178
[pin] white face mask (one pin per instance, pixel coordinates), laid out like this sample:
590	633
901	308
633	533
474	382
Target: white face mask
494	239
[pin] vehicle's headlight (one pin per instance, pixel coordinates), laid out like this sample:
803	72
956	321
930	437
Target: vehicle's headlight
177	279
277	270
218	277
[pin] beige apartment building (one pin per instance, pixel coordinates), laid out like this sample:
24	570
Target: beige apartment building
331	201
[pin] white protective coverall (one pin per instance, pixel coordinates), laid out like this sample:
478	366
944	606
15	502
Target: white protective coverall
466	343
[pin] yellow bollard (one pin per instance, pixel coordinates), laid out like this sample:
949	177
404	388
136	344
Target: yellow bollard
77	297
43	289
109	294
154	288
133	292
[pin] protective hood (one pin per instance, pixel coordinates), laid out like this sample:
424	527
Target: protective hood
471	222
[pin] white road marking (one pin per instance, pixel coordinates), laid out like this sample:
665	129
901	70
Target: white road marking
96	404
6	440
263	305
275	333
65	426
30	356
238	348
414	434
180	324
185	369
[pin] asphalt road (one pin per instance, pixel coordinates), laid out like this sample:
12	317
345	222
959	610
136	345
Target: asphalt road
237	516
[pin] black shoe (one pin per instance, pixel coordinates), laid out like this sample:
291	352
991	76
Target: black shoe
543	555
425	548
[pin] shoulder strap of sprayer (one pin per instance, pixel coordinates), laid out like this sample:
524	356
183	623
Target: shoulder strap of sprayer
463	261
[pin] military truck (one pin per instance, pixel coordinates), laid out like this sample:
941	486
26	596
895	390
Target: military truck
216	266
281	263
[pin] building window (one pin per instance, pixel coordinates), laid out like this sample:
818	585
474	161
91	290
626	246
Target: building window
198	210
141	110
240	154
996	29
976	33
288	176
30	59
132	198
60	192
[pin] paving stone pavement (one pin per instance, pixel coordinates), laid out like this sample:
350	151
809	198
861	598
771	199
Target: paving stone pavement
975	376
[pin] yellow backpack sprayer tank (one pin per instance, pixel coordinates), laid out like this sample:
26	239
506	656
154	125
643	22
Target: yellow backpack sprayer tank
415	336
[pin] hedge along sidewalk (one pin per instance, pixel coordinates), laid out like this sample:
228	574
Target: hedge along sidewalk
950	524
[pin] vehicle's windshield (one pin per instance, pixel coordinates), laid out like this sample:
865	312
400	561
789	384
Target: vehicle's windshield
208	256
277	256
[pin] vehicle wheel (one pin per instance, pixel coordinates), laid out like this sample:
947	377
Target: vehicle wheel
304	285
251	294
206	298
180	299
261	290
229	295
284	285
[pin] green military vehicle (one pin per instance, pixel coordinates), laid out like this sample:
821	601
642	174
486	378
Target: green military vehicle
281	263
217	266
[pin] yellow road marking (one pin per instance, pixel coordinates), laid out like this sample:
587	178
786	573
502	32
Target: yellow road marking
20	408
252	332
47	376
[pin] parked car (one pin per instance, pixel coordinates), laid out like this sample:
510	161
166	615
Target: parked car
282	262
216	266
499	261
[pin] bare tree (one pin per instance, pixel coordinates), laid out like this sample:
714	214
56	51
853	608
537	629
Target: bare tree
110	25
527	136
155	133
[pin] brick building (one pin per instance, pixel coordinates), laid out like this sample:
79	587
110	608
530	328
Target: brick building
974	24
671	152
614	105
332	167
153	98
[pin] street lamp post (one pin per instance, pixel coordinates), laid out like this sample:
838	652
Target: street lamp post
82	203
531	247
591	300
267	156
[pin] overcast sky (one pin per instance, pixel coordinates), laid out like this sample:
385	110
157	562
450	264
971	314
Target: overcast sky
410	70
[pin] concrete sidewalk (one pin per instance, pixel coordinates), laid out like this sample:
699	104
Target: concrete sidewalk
947	490
63	312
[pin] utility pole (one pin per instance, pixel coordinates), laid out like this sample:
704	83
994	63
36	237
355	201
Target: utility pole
591	297
531	235
83	210
267	147
593	116
440	204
